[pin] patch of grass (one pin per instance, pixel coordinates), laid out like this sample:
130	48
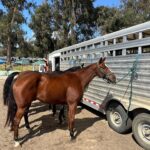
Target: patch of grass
4	67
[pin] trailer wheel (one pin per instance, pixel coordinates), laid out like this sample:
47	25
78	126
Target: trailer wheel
141	130
118	119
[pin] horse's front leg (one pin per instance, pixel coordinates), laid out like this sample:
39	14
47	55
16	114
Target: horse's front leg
71	118
61	114
54	109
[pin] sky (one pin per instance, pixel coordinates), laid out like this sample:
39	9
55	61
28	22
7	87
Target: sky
109	3
29	35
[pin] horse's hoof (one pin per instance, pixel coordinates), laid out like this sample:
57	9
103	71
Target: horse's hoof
75	130
17	144
29	130
27	126
11	129
73	139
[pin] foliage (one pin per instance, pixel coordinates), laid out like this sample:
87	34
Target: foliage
73	21
131	12
60	23
11	19
107	19
41	25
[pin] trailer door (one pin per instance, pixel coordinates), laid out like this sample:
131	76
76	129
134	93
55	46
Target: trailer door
57	63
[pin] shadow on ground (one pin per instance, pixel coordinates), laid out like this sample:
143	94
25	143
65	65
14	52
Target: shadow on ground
49	124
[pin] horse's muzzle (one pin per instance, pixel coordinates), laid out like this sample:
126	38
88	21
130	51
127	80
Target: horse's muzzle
111	78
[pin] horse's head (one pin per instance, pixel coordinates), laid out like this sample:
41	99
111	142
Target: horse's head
104	72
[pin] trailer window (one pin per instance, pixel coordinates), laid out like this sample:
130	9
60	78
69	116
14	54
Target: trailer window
132	51
146	33
146	49
110	53
133	36
118	52
97	45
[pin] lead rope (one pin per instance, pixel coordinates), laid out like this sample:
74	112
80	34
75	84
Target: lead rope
133	76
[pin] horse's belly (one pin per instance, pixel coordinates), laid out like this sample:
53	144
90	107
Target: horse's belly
52	99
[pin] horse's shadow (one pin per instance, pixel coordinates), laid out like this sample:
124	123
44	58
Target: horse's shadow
35	108
48	124
38	107
83	124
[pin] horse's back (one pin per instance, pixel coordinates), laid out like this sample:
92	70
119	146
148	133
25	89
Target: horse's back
27	77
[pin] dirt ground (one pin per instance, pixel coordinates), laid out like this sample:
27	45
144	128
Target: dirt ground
93	132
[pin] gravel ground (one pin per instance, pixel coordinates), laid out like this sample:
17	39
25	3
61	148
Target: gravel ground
93	132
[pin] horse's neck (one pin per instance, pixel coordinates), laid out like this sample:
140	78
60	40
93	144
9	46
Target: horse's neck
87	74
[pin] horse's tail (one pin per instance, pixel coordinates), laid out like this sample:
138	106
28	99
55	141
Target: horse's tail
9	99
7	86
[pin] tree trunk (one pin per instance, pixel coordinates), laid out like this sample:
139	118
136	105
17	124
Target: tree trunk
9	37
9	51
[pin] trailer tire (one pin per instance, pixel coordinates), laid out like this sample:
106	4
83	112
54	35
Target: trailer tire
141	130
118	119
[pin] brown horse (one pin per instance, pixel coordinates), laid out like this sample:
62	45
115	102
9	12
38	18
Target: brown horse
7	87
66	88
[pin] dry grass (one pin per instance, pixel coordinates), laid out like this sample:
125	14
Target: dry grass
3	67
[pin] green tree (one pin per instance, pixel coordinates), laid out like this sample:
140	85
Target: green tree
73	21
130	12
10	26
107	19
41	26
135	11
26	49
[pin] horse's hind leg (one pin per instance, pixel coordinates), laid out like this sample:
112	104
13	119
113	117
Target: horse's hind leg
17	119
26	118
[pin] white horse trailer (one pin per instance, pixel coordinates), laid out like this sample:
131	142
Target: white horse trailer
126	104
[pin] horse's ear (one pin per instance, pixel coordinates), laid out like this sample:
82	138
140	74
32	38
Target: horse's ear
102	60
82	65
